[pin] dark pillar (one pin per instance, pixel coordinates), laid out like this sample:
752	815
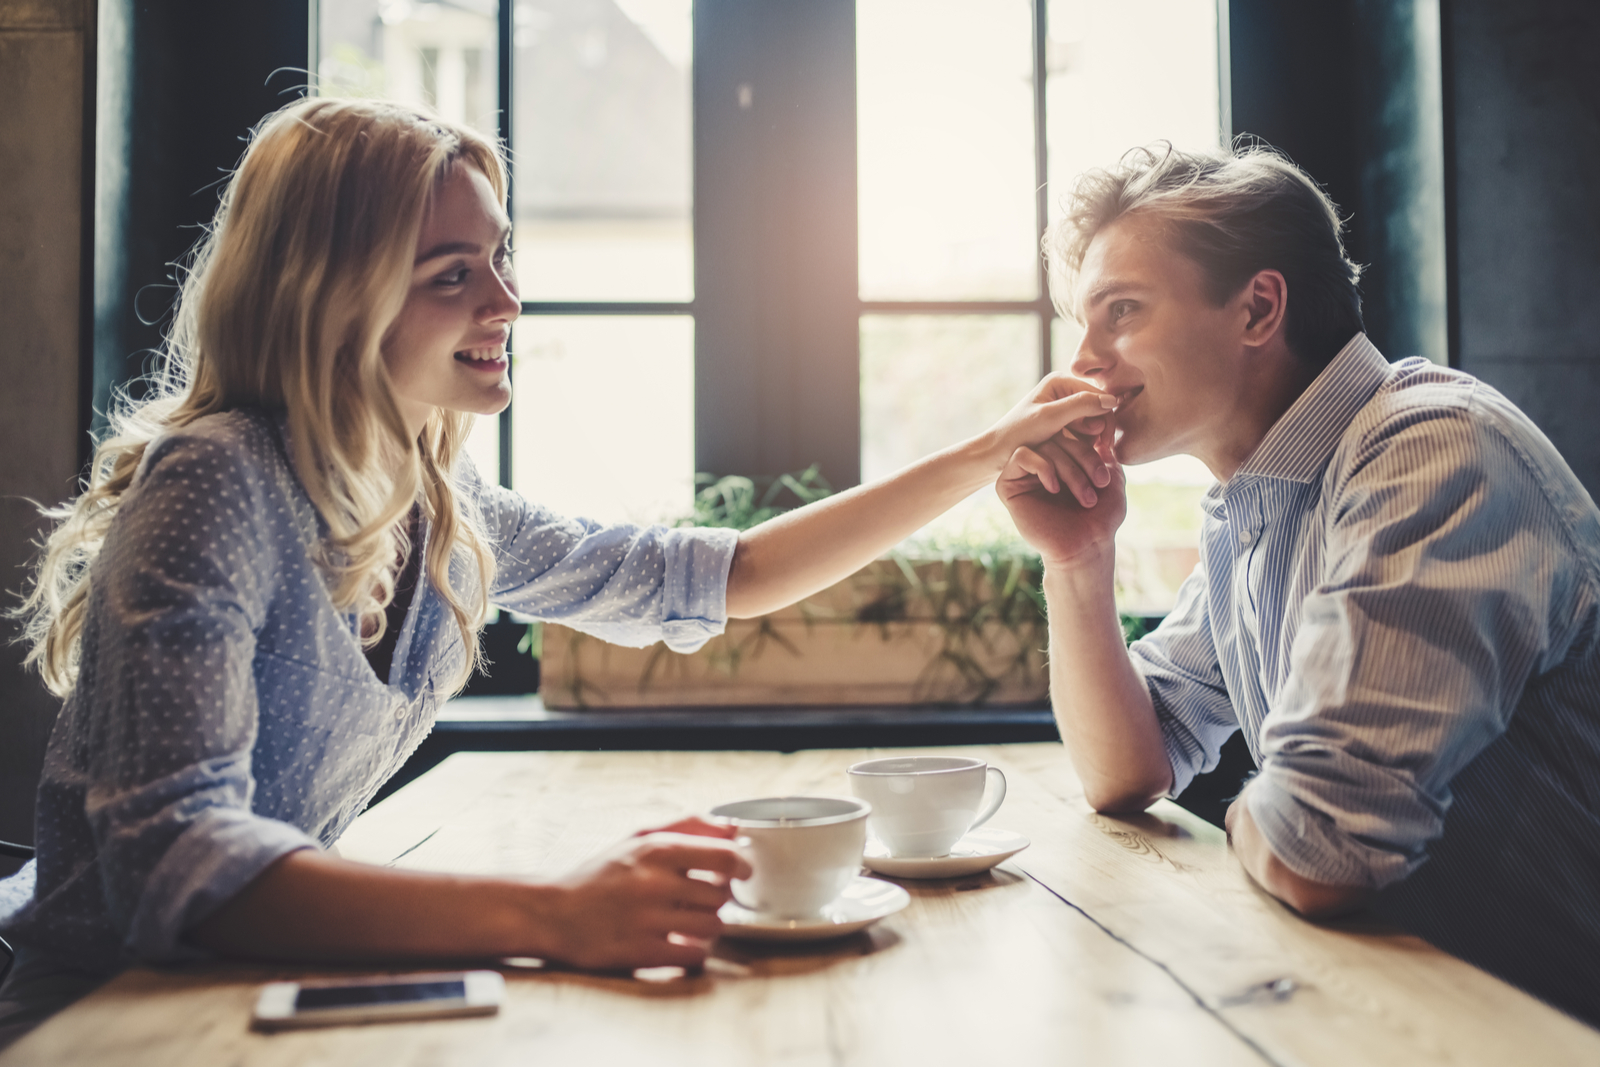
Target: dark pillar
777	379
1350	89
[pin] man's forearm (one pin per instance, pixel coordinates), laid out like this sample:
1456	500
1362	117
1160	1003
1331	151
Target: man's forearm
1102	707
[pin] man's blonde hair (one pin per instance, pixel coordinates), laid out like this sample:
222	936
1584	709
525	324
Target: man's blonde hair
284	306
1234	214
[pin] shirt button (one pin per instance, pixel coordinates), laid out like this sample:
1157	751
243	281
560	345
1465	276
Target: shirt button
1246	537
399	710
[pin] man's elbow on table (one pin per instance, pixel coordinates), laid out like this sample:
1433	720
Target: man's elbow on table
1124	794
1313	900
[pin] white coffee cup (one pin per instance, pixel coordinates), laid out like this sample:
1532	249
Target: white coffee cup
922	805
804	851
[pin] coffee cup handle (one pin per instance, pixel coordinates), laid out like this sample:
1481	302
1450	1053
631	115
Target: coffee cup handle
996	776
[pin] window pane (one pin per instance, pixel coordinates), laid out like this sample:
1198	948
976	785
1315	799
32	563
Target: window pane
483	446
602	149
603	415
1125	74
441	56
928	381
945	149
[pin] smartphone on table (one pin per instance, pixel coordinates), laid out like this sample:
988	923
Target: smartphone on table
373	999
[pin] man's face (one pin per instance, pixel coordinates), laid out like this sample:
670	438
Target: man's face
1154	339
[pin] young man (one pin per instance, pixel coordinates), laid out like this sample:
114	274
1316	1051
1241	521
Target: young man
1398	596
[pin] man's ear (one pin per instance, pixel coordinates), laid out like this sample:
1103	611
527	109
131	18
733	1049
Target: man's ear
1266	299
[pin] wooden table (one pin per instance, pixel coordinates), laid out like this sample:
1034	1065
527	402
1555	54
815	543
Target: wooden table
1108	941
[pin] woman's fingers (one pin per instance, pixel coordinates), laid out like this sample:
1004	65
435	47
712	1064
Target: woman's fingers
684	853
691	825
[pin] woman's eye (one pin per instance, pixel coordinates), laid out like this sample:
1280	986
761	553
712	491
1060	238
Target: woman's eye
452	278
1120	308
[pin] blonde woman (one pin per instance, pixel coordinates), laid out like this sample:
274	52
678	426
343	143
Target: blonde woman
279	568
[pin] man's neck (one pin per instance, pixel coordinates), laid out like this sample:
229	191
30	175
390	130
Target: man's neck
1272	385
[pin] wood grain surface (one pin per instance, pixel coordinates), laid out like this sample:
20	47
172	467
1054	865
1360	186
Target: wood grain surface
1118	941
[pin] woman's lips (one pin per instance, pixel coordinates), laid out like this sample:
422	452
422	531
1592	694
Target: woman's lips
1128	395
488	359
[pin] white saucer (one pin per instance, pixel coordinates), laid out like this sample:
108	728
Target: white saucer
864	902
977	851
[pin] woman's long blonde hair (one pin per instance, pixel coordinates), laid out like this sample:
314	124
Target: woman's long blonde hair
284	307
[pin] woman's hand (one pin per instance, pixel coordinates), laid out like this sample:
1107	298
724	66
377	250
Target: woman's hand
799	553
639	906
1071	417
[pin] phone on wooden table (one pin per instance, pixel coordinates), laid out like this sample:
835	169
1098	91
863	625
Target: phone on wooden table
377	998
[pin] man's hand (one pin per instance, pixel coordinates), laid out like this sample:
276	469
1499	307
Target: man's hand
1067	528
637	906
1312	900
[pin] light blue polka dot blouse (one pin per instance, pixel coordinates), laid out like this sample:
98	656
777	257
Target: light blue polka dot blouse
225	713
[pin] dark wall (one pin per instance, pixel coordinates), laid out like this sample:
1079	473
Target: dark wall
45	49
1524	85
181	82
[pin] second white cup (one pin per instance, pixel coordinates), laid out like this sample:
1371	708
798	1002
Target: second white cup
922	805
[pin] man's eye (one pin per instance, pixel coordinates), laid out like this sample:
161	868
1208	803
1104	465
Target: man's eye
1120	308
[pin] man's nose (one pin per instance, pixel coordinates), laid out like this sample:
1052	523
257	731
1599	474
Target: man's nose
1087	362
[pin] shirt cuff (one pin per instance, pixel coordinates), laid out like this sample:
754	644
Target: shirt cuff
695	594
1314	845
209	864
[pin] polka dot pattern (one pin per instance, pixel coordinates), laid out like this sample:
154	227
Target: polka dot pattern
225	713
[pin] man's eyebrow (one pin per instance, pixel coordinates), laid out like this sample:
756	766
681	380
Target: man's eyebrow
1106	288
451	248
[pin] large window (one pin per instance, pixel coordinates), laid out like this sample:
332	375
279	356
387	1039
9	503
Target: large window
859	282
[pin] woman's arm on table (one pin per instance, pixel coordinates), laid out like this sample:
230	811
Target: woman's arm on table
619	911
793	556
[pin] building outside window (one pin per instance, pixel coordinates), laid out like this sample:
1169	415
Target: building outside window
970	117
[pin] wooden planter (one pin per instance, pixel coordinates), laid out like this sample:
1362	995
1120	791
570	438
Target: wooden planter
926	633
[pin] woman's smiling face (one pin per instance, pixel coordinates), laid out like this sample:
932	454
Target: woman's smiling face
447	348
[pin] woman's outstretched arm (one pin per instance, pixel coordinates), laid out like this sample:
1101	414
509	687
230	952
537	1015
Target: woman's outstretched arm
803	551
619	911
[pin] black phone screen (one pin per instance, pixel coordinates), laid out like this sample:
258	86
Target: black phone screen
338	997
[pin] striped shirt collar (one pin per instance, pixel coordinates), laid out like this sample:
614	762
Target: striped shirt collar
1299	445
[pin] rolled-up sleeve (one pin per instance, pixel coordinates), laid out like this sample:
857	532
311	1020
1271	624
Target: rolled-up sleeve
1412	654
1178	661
630	585
173	717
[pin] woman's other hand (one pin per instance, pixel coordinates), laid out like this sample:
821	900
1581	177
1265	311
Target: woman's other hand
639	906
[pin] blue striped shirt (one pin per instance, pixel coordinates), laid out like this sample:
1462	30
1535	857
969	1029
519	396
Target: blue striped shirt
1398	603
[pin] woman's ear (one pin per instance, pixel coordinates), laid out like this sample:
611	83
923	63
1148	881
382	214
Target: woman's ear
1267	302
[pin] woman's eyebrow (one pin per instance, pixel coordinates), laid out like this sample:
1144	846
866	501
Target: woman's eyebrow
451	248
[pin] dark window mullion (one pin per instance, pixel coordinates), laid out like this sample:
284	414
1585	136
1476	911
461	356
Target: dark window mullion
606	307
503	71
955	307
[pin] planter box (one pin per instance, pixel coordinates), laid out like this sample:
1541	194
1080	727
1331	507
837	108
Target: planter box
926	633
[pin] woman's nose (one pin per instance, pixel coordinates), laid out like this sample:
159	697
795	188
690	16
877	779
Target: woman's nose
504	303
